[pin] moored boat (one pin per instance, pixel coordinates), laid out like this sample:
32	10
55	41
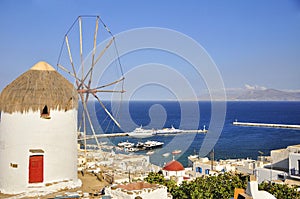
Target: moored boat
175	152
139	145
150	152
153	144
168	131
139	132
166	154
126	144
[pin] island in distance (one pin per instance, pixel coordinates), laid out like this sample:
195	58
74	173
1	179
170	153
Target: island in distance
254	93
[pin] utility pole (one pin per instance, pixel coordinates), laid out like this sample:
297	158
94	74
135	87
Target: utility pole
129	176
212	157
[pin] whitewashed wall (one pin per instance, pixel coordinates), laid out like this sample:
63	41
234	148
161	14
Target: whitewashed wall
57	137
147	193
264	174
294	164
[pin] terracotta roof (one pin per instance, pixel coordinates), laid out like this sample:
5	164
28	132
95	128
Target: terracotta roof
173	166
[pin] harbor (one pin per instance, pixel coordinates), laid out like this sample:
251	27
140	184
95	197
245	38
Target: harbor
142	133
288	126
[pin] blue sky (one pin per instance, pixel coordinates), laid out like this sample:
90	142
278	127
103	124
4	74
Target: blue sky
252	42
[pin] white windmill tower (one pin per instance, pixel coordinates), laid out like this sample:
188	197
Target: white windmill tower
38	131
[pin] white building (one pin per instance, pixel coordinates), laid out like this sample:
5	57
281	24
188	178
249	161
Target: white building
203	166
138	190
253	192
285	164
173	168
175	171
38	144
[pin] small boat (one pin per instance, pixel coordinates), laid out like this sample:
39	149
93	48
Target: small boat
126	144
133	149
153	144
175	152
150	152
139	145
166	154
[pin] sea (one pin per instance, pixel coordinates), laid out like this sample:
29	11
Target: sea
232	141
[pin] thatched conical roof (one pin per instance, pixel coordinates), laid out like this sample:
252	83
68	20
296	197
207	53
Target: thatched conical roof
41	85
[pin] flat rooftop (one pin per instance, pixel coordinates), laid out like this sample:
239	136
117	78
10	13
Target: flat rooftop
136	186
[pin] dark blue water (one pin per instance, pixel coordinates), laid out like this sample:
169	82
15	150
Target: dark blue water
234	142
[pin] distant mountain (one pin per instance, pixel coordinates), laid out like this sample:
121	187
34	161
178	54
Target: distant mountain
258	95
264	95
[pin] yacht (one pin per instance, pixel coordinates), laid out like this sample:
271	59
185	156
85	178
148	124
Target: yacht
153	144
139	132
126	144
168	131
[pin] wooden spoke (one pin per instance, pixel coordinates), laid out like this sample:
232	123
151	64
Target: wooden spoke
108	91
107	112
80	45
103	51
90	122
115	82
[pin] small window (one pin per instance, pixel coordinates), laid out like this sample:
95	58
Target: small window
45	113
281	177
13	165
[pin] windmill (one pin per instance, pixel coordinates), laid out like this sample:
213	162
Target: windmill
79	58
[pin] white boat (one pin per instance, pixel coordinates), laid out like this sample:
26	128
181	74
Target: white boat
175	152
126	144
168	131
133	149
150	152
153	144
139	132
166	154
139	145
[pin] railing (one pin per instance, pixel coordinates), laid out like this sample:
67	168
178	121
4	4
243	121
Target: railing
295	172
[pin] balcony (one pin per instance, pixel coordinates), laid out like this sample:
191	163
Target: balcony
294	173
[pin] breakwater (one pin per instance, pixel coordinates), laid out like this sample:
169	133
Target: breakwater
291	126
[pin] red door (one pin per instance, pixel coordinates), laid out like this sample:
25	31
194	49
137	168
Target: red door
36	168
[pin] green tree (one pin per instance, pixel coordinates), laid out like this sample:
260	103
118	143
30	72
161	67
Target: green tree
220	186
280	191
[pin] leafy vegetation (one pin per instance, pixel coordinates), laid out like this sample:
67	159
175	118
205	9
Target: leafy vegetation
220	186
280	190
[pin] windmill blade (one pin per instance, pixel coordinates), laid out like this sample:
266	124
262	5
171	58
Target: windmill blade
71	59
115	82
89	73
94	50
84	130
90	122
104	50
80	45
93	59
107	112
81	120
108	91
67	71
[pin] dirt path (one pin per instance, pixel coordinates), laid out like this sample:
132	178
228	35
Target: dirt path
90	184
